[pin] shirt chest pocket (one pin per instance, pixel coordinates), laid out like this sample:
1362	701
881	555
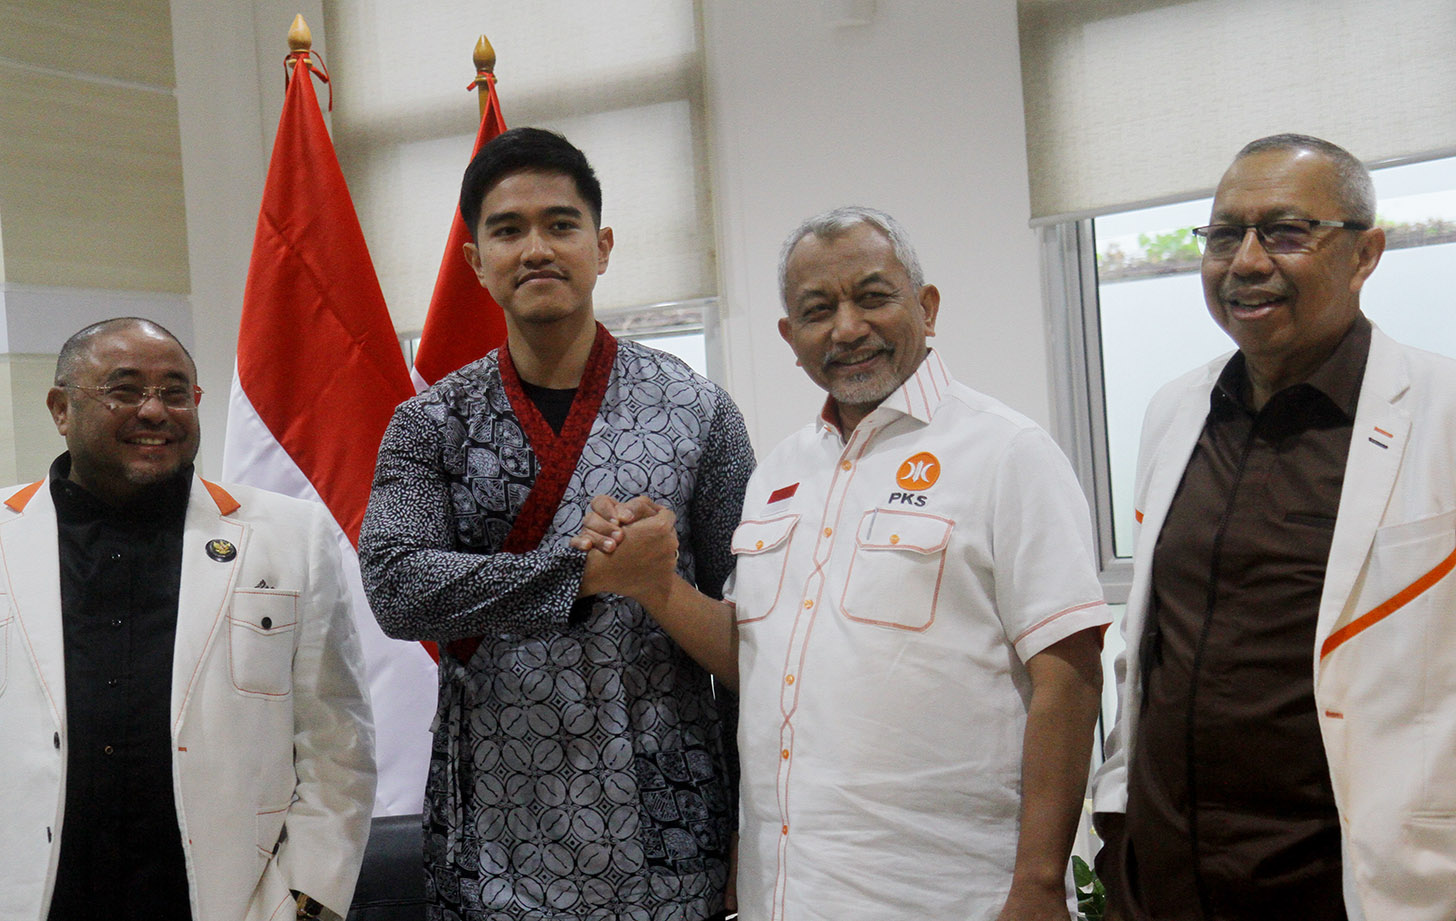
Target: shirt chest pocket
762	549
895	573
261	630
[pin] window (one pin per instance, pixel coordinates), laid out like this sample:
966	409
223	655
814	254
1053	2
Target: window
1127	312
1130	282
687	329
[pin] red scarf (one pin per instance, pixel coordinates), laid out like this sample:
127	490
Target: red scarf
556	454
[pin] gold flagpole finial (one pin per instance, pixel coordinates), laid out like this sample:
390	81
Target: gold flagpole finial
484	58
299	36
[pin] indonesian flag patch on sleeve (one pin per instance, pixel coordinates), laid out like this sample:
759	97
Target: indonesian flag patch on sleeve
782	493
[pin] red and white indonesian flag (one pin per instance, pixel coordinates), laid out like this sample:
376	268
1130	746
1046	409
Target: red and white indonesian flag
464	322
319	372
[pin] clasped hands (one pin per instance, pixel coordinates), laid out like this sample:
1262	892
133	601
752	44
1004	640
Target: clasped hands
631	549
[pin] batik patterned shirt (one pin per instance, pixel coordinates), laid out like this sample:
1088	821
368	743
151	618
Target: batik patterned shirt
582	762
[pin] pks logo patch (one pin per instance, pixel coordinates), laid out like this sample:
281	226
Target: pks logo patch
920	471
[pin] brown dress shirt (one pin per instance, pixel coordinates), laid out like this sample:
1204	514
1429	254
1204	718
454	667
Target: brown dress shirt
1230	812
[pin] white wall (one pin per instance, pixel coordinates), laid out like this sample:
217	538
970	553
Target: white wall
229	59
918	113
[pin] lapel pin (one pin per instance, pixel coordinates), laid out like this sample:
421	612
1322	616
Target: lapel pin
221	550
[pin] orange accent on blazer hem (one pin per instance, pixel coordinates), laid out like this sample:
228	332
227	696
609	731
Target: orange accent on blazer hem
1388	607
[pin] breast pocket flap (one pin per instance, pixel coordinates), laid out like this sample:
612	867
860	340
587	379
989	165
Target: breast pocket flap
884	529
260	638
762	536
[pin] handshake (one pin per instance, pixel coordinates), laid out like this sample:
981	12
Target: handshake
631	550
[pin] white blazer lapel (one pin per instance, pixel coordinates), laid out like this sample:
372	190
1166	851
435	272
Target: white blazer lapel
1174	449
213	544
30	564
1377	445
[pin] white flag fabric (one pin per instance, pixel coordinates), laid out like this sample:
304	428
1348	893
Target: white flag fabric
319	372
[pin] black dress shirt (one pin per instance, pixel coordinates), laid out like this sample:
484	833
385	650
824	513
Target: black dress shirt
121	569
1231	814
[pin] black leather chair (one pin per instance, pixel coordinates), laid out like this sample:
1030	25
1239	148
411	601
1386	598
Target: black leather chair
392	880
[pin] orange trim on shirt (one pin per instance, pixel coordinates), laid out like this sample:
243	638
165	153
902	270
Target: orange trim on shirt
22	496
226	504
1388	607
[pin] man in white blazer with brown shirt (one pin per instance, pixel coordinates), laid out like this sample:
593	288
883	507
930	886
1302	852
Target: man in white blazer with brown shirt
1286	743
186	731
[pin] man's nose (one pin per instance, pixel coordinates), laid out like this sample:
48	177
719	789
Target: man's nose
537	248
849	323
152	407
1251	258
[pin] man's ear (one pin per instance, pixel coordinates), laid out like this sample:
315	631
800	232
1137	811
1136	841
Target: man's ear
930	305
58	401
472	256
1368	250
604	248
786	330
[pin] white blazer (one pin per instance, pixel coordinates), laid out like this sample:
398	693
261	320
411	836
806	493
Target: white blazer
272	760
1384	658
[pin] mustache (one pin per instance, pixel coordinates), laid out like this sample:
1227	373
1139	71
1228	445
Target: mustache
159	429
857	352
1235	292
540	273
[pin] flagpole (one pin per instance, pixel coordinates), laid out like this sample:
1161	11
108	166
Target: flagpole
484	58
463	322
318	374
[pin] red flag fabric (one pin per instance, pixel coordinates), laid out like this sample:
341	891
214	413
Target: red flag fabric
317	352
464	322
319	372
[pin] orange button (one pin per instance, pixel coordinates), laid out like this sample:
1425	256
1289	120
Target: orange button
845	465
808	602
894	538
785	753
758	546
789	680
828	531
786	829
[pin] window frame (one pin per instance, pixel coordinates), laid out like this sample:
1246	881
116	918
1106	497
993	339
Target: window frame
1069	270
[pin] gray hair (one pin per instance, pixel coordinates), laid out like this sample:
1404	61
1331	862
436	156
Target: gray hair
1355	189
78	346
831	224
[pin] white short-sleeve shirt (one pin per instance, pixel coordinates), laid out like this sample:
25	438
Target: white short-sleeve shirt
889	590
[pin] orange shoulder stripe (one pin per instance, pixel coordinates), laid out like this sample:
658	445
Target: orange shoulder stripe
226	504
21	498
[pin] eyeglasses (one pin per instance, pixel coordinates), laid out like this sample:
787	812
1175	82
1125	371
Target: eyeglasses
175	397
1288	235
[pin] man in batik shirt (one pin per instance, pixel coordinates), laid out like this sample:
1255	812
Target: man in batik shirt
581	758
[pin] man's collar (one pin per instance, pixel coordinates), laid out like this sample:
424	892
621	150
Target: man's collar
160	501
919	396
1338	377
